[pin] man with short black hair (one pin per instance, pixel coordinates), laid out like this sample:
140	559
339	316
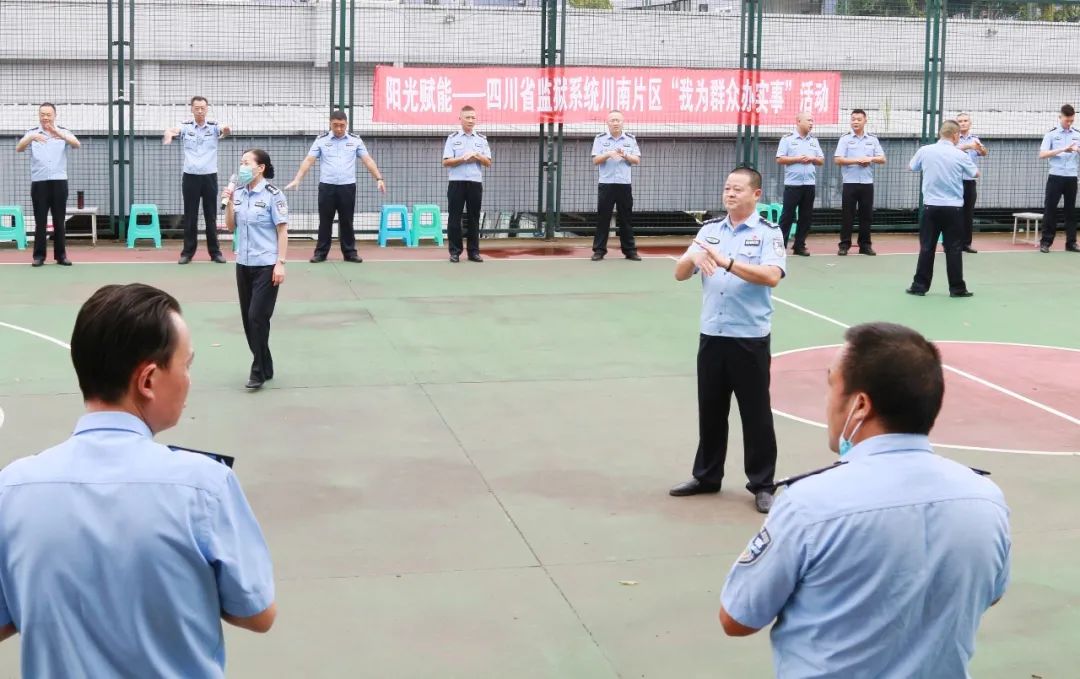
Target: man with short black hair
1061	146
741	258
119	556
48	144
199	137
465	155
856	153
970	144
615	152
883	564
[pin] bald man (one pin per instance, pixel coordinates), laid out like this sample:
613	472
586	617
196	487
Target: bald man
800	154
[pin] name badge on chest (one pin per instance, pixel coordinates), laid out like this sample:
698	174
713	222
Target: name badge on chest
752	241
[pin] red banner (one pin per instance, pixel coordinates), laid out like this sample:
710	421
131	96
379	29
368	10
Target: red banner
580	94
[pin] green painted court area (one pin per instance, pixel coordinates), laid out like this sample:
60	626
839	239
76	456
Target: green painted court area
462	471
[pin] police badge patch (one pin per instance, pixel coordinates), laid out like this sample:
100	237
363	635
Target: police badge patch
756	548
778	246
282	208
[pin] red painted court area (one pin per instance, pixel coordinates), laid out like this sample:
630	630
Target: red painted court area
984	407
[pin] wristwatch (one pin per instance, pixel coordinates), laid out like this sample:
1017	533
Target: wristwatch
281	262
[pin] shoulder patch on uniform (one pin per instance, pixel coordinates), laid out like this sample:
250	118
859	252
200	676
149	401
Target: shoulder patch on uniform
778	246
799	477
272	189
758	546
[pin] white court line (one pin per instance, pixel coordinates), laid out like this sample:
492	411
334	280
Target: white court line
28	331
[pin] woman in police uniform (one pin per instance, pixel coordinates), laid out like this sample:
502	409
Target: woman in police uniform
258	212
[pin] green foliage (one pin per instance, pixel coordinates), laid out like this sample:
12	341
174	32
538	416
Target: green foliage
591	4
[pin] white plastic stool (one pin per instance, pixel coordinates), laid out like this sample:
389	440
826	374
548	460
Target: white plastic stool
1029	228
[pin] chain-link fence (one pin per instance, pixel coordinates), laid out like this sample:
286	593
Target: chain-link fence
272	70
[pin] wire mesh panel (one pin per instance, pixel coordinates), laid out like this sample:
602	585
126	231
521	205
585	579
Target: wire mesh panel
36	67
1006	67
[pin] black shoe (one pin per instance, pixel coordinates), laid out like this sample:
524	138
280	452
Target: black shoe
597	256
455	258
64	261
254	383
355	259
217	259
476	258
634	257
917	293
38	262
693	487
801	252
763	501
184	259
962	293
1044	248
1072	248
317	259
970	250
869	251
842	251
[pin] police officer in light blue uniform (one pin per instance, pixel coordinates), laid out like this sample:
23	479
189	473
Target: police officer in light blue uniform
882	565
337	150
465	155
970	144
1061	146
118	556
800	154
944	169
856	153
615	152
259	213
741	258
48	146
199	137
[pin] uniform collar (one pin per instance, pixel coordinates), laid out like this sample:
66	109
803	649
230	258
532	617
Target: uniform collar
194	123
611	136
859	136
343	137
969	135
258	187
114	420
945	141
799	136
463	133
751	221
1059	128
890	443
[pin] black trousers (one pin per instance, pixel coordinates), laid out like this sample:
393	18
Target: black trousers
339	198
856	198
970	195
50	196
200	188
467	195
258	295
1056	187
801	197
609	197
727	365
946	222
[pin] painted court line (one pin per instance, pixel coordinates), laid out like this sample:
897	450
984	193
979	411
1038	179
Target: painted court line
28	331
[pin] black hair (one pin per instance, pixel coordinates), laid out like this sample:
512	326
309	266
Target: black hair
199	98
754	175
118	329
263	158
859	111
1068	111
53	106
900	370
338	115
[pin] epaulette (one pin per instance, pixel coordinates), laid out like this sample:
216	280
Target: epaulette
212	122
767	223
270	188
789	134
323	134
354	135
799	477
627	134
216	457
602	134
479	135
453	134
714	220
188	122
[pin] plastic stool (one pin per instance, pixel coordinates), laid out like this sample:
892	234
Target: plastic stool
137	230
422	230
17	231
386	231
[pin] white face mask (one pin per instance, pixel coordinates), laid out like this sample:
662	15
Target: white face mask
846	444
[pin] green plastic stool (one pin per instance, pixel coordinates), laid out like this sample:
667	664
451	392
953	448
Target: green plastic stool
17	231
775	211
137	230
420	229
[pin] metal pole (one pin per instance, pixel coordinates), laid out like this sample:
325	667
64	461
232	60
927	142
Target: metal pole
559	143
109	139
121	198
352	59
341	57
541	168
333	48
131	101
